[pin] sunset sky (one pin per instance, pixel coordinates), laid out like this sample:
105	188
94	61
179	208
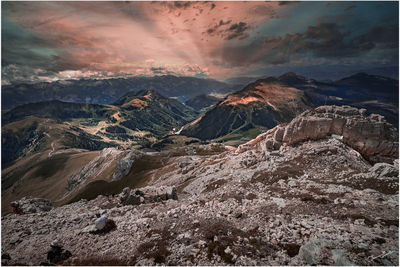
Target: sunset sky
46	41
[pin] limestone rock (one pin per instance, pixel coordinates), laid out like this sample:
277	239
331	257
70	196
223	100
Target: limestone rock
370	135
148	194
125	164
94	168
384	170
100	223
31	205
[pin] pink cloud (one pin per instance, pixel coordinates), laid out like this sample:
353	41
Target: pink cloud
130	38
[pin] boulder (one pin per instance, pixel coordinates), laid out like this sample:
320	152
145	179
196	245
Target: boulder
320	252
100	223
384	170
31	205
57	253
148	194
159	193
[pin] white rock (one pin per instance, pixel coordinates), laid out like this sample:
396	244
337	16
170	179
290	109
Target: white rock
100	223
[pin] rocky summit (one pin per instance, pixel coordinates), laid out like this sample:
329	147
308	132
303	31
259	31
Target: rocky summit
319	190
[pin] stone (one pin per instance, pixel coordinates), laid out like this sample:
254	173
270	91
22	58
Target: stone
28	205
384	170
100	223
279	201
315	250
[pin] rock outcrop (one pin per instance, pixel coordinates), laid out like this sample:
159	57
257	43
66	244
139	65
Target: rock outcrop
149	194
124	165
31	205
95	167
311	202
371	136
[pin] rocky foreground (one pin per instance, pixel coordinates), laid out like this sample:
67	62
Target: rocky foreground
321	190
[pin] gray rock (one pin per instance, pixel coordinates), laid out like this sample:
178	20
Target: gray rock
384	170
315	250
372	136
33	205
94	168
100	223
125	164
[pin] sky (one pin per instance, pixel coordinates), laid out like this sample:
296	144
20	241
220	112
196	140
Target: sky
48	41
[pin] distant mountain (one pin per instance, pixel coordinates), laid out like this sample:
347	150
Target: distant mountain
34	135
134	119
202	101
243	80
268	102
58	110
109	90
377	94
147	110
364	87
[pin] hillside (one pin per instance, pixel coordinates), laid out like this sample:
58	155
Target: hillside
147	110
201	102
135	121
310	192
264	103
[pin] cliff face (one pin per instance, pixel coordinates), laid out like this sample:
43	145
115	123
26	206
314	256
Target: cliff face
370	135
308	192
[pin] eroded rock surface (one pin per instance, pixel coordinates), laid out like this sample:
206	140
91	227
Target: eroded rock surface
31	205
95	167
124	165
312	202
371	135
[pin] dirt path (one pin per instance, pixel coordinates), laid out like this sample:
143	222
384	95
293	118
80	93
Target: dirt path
52	149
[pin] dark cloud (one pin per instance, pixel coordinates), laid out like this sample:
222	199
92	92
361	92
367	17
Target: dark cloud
237	31
215	28
325	41
158	70
180	4
349	7
283	3
379	36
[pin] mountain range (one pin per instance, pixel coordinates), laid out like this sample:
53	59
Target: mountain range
270	101
134	119
145	118
108	91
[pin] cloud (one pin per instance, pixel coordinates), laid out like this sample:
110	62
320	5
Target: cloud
349	7
379	36
323	42
186	38
217	26
234	31
237	31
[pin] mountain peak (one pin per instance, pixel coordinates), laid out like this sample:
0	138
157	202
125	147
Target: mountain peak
149	93
291	75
